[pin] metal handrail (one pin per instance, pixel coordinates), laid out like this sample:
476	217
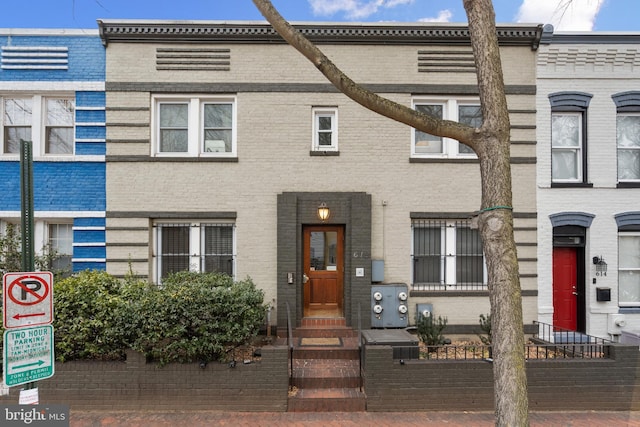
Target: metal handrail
290	344
360	352
557	335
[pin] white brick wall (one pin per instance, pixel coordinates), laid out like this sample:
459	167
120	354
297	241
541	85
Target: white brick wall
597	70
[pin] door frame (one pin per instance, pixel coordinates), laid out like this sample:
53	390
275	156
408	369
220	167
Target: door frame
573	236
323	275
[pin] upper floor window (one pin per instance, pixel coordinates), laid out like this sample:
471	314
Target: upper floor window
463	111
48	122
199	126
447	253
628	136
325	129
204	247
566	147
569	137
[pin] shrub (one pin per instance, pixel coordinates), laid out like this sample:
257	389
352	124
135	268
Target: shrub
430	331
485	326
88	322
197	317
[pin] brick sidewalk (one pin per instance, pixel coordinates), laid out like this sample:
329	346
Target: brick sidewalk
341	419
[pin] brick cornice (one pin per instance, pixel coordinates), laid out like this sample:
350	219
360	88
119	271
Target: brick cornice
140	31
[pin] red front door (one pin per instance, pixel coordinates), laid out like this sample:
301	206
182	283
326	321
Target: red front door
565	291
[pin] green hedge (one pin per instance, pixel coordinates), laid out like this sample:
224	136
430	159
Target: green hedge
191	317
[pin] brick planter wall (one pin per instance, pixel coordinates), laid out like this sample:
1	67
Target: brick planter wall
135	384
560	384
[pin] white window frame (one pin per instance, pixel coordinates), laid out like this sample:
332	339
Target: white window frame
618	148
621	268
38	122
317	113
578	150
450	111
448	254
195	126
196	244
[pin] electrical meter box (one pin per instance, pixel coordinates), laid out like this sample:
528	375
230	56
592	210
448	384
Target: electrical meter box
389	307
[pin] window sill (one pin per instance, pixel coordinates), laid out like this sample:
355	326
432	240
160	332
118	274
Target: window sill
320	153
628	185
443	160
112	158
629	310
571	185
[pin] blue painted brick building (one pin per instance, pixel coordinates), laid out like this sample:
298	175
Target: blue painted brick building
52	93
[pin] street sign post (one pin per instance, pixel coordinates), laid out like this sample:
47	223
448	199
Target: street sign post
28	299
28	355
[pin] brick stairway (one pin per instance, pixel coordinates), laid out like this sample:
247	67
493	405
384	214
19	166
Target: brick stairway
326	368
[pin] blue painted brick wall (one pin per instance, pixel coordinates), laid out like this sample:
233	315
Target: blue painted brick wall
88	236
89	252
58	186
91	99
91	132
90	116
86	58
89	222
80	266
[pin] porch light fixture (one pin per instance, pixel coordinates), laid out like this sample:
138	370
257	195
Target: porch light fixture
601	266
323	212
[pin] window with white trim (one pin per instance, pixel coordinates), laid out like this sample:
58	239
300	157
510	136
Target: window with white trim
447	253
61	243
566	147
463	111
629	268
48	122
325	129
195	126
569	138
628	147
195	246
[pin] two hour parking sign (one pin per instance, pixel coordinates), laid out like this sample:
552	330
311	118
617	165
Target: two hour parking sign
28	299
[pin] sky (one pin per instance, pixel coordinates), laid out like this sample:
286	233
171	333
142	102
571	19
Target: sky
564	15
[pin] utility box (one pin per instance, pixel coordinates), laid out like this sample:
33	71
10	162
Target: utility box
404	344
389	306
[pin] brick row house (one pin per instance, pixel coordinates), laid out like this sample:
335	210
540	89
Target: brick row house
588	121
224	145
52	94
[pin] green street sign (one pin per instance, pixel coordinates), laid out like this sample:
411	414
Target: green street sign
28	355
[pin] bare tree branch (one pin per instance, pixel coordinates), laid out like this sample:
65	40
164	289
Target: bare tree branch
362	96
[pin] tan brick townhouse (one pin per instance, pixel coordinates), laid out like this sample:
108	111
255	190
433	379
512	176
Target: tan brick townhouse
223	143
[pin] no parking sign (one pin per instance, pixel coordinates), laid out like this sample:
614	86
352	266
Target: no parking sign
28	299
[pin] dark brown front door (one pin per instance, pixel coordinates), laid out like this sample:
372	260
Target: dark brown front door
323	270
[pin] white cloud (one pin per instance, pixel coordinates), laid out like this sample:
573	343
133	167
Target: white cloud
353	9
443	16
564	15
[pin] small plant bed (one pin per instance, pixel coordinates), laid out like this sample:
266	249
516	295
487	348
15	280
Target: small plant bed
476	350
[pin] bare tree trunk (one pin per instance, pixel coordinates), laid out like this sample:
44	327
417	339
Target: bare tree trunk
492	145
496	221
